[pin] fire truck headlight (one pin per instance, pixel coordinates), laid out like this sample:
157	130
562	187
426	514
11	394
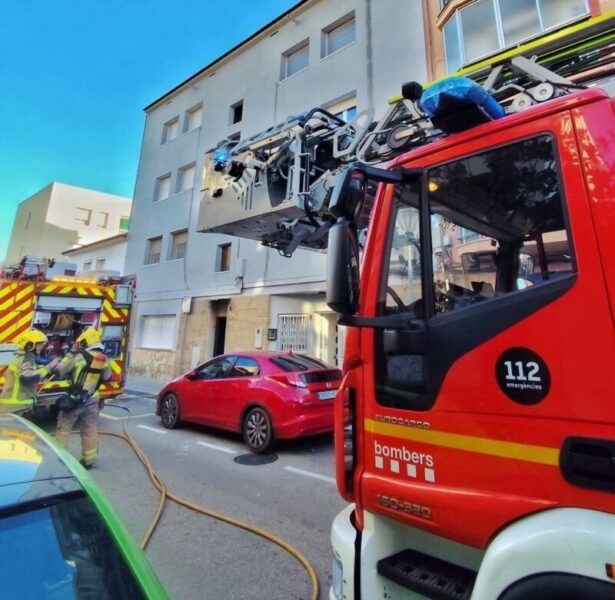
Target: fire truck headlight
337	578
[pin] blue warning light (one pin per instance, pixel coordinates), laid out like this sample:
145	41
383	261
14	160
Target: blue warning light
221	159
458	103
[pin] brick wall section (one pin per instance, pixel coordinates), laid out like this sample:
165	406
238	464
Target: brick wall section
194	330
156	364
244	316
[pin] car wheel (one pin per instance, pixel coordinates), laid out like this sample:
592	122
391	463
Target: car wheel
169	411
257	430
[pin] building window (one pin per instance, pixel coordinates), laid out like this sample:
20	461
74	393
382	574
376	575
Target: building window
185	181
486	26
296	59
154	247
158	331
85	217
338	35
87	265
104	220
293	332
223	261
179	241
345	108
124	224
163	188
347	114
100	264
194	118
236	115
170	130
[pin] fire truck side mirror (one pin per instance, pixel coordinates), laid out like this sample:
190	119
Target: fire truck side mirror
343	268
351	187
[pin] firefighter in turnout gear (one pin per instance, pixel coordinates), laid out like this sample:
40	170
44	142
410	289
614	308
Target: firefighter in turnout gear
23	375
88	368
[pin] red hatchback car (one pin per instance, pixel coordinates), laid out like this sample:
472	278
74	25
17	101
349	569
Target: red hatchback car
263	395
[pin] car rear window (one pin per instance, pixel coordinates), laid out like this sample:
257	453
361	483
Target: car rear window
67	552
298	362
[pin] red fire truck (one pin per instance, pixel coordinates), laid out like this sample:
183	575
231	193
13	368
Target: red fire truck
475	271
63	306
478	433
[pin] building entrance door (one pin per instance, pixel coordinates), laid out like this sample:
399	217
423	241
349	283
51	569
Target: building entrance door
219	335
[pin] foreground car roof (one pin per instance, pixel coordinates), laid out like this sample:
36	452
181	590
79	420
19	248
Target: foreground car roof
29	467
36	476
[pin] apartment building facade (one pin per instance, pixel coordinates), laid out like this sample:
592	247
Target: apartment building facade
105	255
201	294
462	33
61	216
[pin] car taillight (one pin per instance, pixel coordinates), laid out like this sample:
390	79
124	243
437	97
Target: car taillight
345	440
289	379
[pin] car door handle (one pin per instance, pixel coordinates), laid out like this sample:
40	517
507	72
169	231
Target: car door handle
589	462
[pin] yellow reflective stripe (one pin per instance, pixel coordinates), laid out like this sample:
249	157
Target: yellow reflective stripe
17	401
7	333
9	289
15	299
115	367
513	450
54	385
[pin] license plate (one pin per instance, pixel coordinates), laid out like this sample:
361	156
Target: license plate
327	395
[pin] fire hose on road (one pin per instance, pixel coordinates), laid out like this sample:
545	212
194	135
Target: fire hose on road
166	494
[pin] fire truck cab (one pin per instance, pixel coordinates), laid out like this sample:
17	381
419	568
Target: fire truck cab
474	427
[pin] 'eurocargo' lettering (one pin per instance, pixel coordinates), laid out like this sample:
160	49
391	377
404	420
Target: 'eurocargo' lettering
402	421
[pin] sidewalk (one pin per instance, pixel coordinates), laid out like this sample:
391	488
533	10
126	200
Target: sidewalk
144	385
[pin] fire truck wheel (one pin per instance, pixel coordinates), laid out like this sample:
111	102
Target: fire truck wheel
558	586
169	411
257	430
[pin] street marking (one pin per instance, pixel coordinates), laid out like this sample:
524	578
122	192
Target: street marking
111	417
214	447
154	429
310	474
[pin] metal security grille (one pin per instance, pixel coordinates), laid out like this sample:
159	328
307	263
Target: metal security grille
293	332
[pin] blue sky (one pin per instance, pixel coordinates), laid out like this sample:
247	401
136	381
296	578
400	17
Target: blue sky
75	76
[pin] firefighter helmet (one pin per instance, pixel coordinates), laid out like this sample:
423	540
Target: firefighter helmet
90	337
30	338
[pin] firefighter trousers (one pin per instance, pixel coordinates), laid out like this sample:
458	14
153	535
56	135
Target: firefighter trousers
86	418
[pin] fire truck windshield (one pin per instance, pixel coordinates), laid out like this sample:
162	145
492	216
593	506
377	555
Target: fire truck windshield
497	226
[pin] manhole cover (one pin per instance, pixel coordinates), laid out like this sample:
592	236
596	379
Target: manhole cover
255	459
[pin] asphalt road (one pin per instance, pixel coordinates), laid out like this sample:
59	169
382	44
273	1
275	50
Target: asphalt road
198	557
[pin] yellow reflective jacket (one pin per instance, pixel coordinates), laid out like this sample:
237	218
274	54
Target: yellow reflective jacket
21	380
84	377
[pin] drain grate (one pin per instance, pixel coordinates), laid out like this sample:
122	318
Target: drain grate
253	460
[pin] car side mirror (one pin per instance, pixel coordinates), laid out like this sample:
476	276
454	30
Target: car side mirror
192	375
